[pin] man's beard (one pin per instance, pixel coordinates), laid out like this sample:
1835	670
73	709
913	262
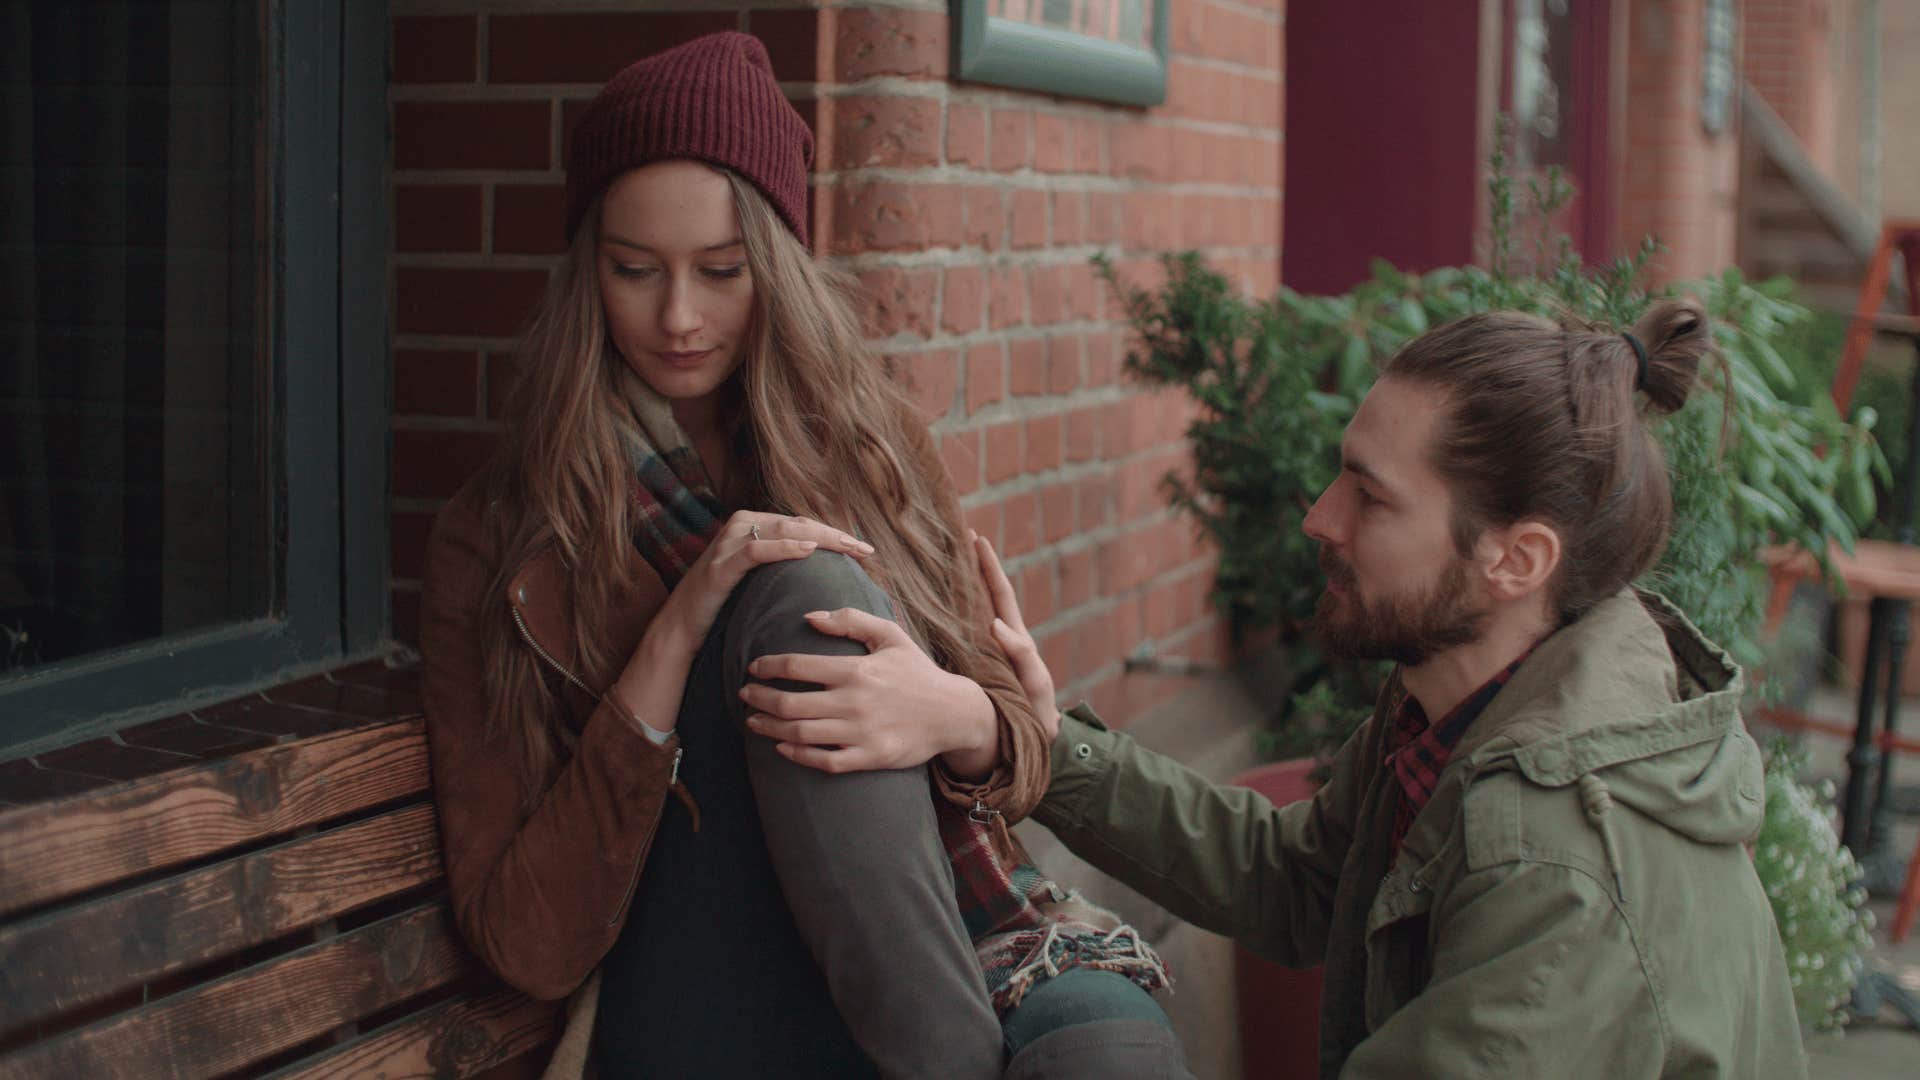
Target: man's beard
1408	630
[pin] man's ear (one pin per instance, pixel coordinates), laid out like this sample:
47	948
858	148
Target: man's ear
1519	560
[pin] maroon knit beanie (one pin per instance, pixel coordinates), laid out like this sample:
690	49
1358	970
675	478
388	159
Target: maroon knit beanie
713	99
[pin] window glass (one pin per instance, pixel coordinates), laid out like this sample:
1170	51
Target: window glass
134	358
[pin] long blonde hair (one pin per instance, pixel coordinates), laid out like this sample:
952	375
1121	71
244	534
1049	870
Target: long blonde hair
822	432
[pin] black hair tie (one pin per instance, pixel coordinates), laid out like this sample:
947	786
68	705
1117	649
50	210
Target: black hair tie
1639	354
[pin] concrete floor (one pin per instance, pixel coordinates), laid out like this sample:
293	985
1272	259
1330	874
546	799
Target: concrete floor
1210	728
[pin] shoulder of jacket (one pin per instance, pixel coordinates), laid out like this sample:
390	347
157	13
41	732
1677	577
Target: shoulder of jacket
1508	818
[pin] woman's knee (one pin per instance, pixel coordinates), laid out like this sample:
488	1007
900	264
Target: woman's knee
772	600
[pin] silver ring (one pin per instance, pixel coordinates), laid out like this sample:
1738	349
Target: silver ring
754	531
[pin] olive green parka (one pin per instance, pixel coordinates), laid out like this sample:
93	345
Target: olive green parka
1575	901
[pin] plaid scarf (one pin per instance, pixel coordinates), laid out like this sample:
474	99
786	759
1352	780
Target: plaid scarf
1024	927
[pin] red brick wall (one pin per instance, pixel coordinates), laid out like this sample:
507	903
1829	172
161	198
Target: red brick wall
1680	183
969	213
1787	54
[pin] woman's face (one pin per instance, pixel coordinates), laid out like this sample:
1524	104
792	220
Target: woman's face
673	277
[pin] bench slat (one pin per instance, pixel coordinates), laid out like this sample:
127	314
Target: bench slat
66	958
53	850
263	1010
461	1037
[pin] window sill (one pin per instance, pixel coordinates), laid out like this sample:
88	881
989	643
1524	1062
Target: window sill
358	695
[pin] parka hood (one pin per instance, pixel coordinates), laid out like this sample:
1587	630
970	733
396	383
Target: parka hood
1634	706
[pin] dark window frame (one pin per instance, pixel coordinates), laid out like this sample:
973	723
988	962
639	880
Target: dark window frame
325	95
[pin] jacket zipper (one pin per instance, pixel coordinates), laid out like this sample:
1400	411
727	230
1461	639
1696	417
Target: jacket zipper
646	845
527	636
673	780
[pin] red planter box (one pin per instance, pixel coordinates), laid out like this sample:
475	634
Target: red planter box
1279	1006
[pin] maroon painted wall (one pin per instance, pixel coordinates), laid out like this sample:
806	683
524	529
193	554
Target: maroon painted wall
1381	147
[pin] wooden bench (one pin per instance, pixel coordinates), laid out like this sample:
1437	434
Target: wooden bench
279	911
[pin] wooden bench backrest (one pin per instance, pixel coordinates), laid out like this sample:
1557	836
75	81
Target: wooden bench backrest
280	912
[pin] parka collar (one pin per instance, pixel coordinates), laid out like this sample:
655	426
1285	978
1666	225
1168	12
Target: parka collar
1630	679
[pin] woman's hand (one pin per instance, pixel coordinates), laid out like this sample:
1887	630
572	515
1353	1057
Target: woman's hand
673	638
747	540
1010	633
893	708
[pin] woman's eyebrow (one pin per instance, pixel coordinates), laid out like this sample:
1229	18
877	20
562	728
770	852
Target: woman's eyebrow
721	246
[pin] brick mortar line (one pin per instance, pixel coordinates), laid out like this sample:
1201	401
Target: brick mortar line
941	258
899	345
1019	410
482	388
1069	471
1026	483
947	339
1027	178
988	97
1174	123
1050	553
483	343
1103	605
396	259
483	42
486	93
1204	62
1084	686
891	86
1100	607
1264	14
1074	473
1087	539
463	425
1066	184
471	260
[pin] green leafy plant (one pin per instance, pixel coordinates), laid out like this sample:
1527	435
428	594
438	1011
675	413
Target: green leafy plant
1814	886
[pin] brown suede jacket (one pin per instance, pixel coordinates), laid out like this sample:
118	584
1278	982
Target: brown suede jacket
542	897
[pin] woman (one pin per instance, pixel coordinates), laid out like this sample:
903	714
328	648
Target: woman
699	440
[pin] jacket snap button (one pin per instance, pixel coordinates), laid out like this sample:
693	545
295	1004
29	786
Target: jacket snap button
1083	751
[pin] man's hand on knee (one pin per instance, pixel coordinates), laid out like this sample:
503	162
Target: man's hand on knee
893	708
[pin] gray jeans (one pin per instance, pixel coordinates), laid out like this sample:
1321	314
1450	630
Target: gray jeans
865	911
859	855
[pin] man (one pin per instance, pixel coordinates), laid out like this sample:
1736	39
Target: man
1530	862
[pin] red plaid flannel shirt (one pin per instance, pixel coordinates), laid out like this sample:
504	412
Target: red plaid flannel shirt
1418	751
